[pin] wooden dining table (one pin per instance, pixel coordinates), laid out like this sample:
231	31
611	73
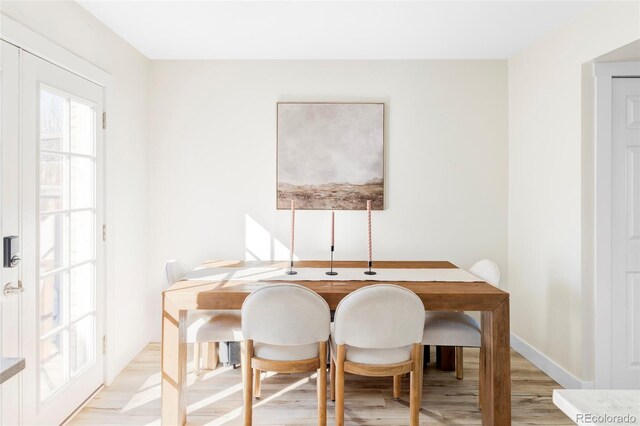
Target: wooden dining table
229	293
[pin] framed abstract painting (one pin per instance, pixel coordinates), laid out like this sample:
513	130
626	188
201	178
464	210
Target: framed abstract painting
330	155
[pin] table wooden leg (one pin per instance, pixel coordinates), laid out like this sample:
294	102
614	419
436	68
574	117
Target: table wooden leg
482	377
174	364
485	320
496	389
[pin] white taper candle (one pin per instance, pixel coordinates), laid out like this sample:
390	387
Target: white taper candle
333	228
293	227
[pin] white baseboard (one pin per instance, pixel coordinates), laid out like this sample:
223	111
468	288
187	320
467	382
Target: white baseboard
547	365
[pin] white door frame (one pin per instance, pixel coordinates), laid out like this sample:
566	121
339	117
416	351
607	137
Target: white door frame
604	73
28	40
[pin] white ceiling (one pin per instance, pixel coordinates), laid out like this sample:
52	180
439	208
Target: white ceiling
332	29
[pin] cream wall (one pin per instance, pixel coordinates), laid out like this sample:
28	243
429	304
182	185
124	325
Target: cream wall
551	186
72	27
212	161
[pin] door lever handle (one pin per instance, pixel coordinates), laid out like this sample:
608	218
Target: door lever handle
10	289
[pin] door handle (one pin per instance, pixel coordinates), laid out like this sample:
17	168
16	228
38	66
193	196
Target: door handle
10	289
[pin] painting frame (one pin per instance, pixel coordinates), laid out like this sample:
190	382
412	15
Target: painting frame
379	200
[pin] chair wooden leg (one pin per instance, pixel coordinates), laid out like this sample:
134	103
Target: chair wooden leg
415	396
446	358
322	385
332	379
397	383
340	356
459	363
196	358
247	354
256	384
211	357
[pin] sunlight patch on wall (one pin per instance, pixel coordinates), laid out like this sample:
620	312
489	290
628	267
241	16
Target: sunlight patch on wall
260	243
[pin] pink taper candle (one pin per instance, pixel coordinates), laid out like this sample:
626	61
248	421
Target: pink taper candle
369	226
293	226
333	227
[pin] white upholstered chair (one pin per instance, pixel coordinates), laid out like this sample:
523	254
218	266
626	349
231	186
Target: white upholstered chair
444	328
206	328
286	327
377	331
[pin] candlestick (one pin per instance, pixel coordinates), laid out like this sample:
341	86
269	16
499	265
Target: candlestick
333	228
293	230
369	272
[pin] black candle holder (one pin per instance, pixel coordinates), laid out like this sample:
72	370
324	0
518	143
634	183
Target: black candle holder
370	272
291	271
331	271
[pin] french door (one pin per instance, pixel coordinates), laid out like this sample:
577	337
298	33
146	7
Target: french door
62	248
11	303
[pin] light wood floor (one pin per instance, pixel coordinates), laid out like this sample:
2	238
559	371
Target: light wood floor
215	398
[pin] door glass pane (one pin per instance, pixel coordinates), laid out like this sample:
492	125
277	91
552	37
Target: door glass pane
82	183
53	372
53	109
82	241
52	291
53	241
53	192
67	171
82	128
81	290
81	344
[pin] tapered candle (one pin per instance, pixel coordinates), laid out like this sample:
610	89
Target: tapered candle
333	229
293	227
369	228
